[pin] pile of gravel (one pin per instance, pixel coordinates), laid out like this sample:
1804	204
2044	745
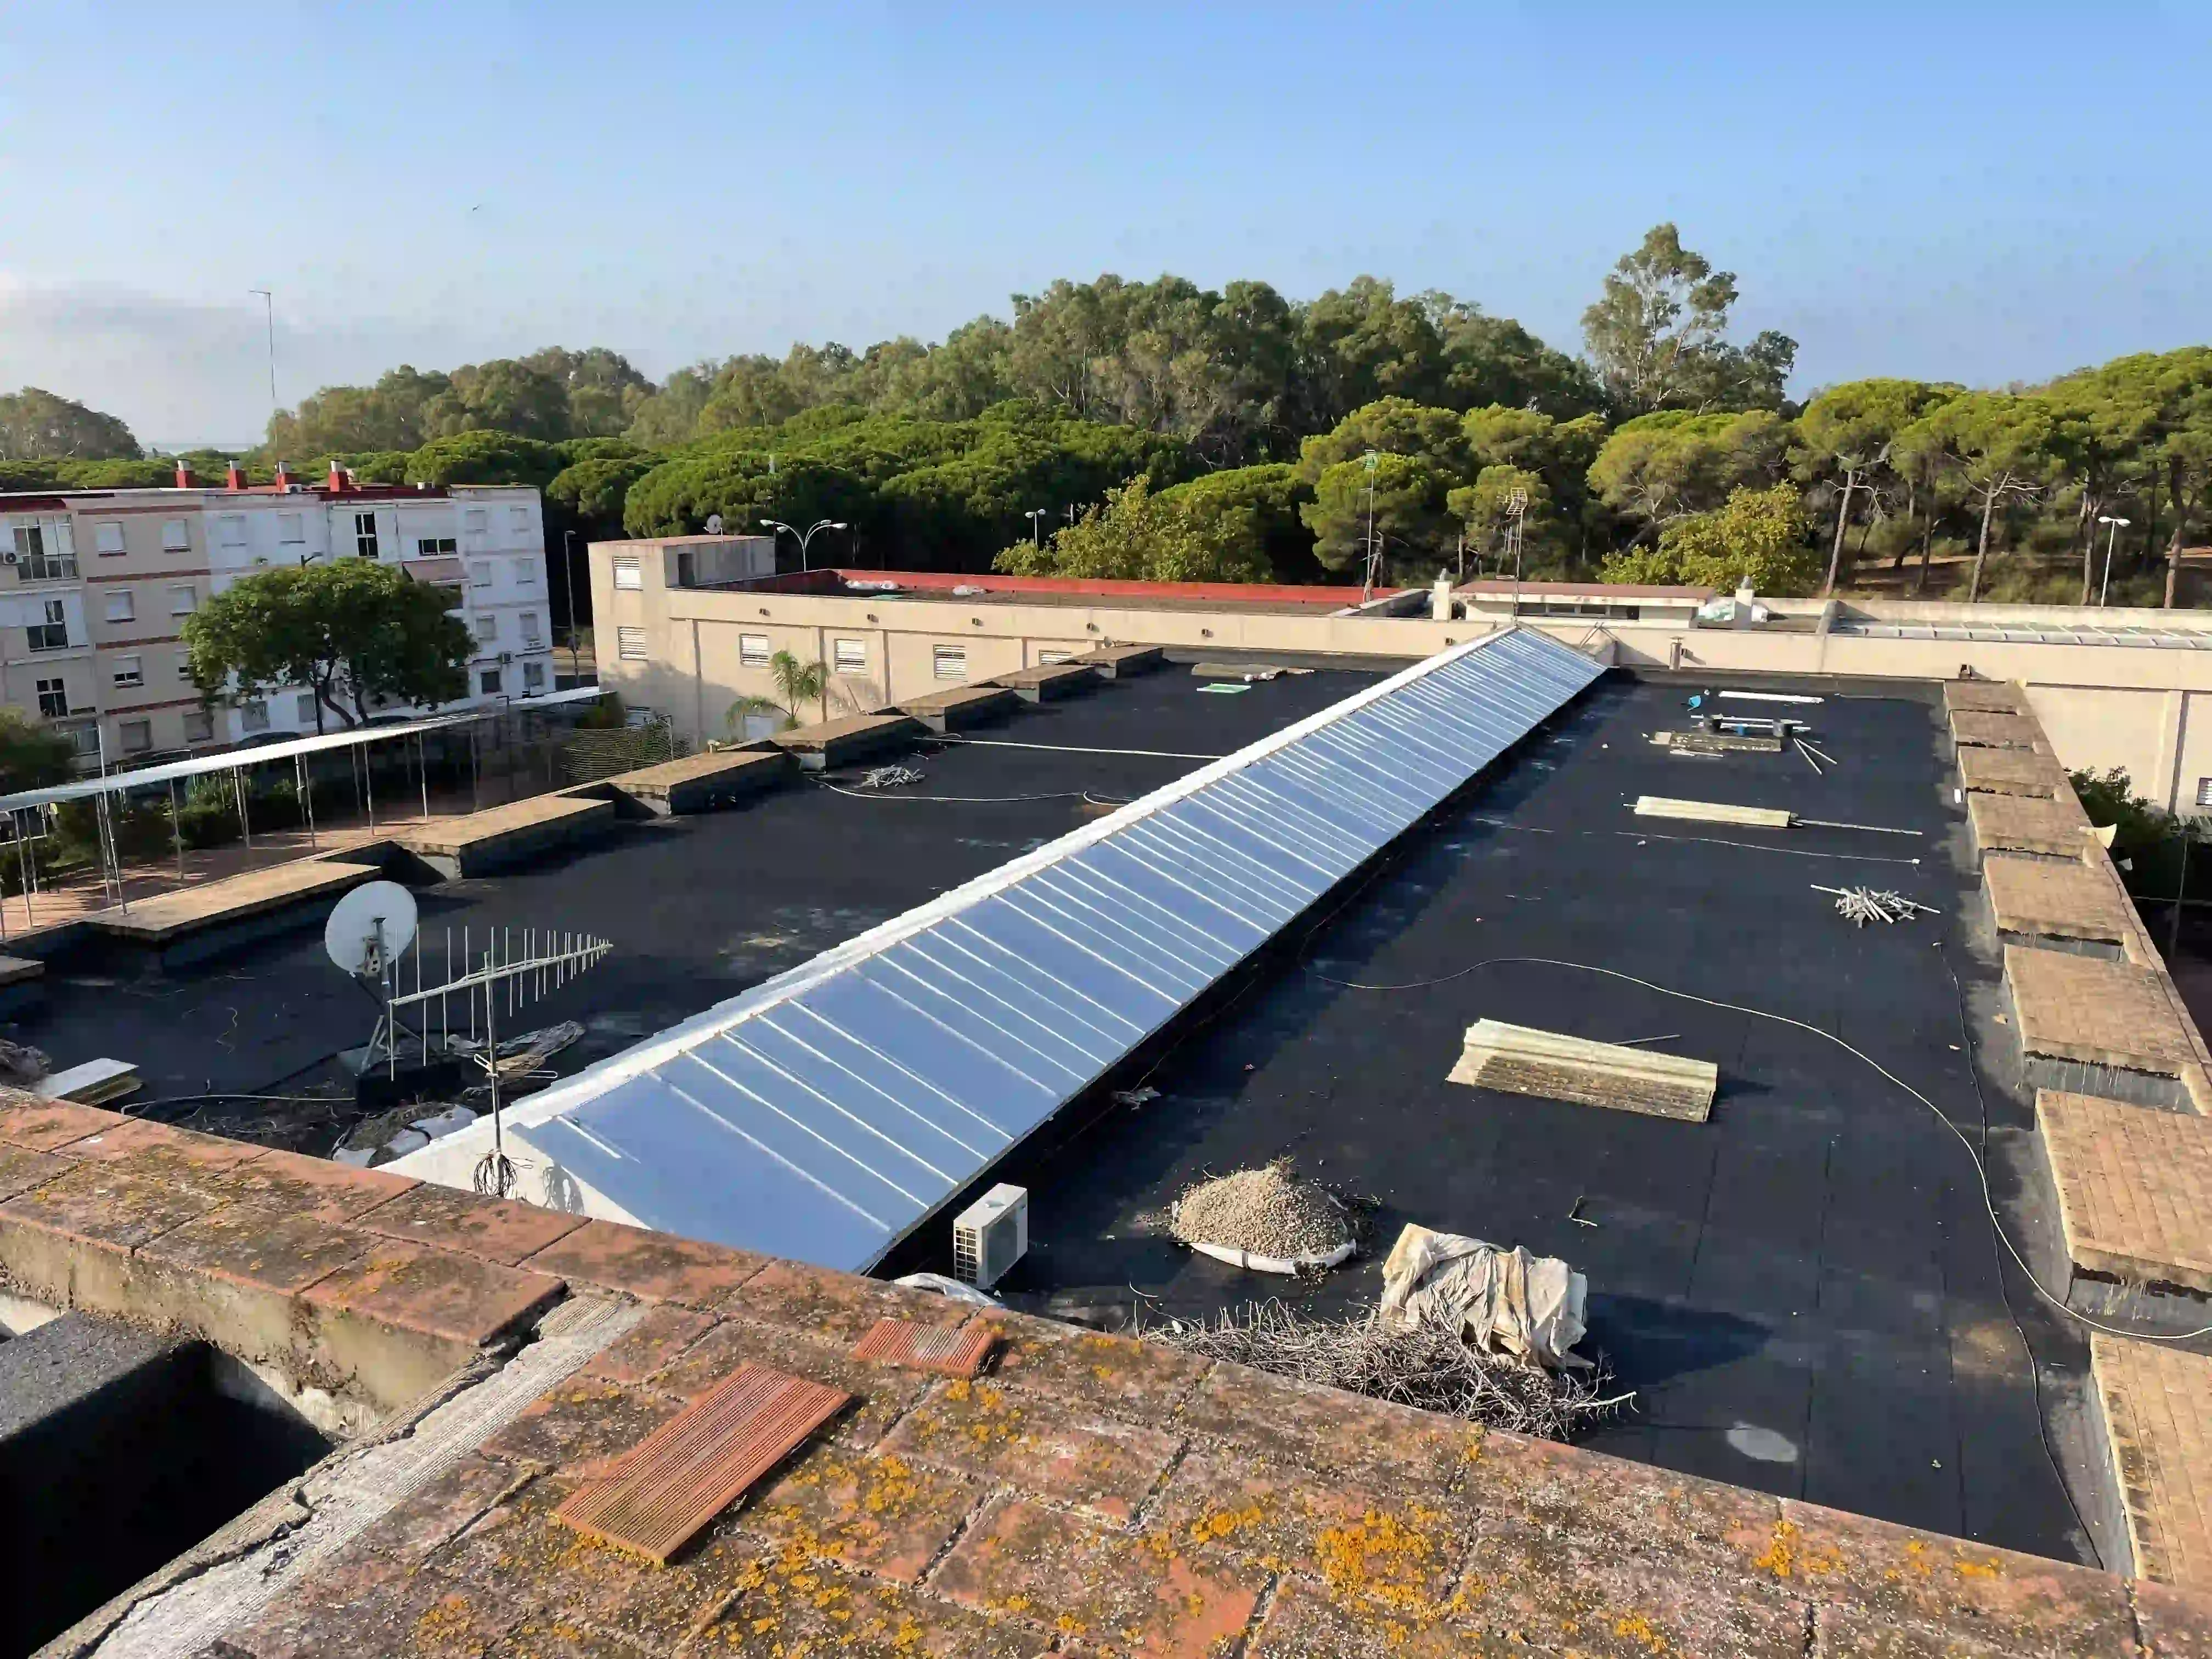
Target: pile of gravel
1268	1212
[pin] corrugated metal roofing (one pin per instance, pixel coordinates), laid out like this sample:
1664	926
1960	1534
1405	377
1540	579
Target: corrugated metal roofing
825	1114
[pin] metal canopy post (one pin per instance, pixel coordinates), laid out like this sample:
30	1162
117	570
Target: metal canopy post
23	871
301	783
238	792
177	828
370	774
422	768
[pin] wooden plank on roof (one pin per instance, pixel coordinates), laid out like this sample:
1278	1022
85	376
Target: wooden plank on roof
1522	1060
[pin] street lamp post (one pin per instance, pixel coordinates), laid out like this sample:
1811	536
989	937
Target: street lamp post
568	586
1037	516
804	539
269	314
1370	460
2112	536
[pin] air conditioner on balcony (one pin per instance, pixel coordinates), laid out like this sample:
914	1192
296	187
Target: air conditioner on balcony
990	1236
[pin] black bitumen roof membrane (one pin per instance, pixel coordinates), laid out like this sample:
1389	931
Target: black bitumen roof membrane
1803	1290
699	908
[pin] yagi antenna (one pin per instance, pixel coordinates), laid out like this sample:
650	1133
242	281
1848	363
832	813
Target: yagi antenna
369	934
546	961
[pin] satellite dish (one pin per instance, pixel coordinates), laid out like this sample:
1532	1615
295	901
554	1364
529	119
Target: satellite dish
713	524
369	926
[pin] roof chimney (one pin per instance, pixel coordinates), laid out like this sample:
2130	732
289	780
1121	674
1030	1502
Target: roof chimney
284	479
184	478
235	478
338	482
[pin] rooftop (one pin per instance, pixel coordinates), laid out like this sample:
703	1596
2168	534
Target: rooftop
1805	1291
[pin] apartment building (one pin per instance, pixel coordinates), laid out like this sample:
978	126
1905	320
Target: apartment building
695	623
99	583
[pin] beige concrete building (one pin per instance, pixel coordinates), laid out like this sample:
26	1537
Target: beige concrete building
686	626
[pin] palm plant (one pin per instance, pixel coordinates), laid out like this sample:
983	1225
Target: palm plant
796	683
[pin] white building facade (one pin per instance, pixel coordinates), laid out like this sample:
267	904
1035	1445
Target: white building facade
98	585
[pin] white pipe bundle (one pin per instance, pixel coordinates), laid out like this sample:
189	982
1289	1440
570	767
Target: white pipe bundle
1861	905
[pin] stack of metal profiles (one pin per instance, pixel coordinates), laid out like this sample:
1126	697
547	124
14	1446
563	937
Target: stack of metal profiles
827	1112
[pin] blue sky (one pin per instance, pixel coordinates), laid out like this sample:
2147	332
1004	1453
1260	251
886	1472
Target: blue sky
1978	192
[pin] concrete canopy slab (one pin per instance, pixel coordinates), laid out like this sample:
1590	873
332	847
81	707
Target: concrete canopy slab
2157	1401
499	836
2011	772
1995	731
2062	901
2098	1012
698	783
1048	680
218	903
834	743
2134	1187
1983	696
961	705
1119	662
2017	824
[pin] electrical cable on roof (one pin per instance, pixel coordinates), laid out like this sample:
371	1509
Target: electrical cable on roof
1075	749
1981	1170
972	800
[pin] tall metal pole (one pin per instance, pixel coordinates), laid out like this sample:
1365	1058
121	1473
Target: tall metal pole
269	309
568	585
177	828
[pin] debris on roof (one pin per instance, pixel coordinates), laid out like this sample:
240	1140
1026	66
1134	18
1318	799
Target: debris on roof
1522	1060
1265	1219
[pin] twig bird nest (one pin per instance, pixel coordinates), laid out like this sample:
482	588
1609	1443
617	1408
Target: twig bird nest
1265	1218
1418	1365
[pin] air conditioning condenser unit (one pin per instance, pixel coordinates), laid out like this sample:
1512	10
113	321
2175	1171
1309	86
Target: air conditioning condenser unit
990	1236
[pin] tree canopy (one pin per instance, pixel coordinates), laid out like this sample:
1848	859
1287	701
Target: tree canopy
40	425
355	633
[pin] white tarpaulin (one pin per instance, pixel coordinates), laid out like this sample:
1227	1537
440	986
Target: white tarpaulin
1528	1305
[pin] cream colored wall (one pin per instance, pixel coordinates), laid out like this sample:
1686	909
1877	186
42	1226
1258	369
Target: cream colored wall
2147	709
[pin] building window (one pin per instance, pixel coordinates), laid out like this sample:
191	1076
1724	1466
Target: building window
849	656
130	671
487	681
430	547
122	605
480	572
199	725
2204	792
629	575
533	677
629	644
486	628
53	698
753	651
530	636
183	601
292	528
949	662
45	553
304	713
254	717
137	736
519	518
52	634
177	536
525	573
108	538
1046	658
473	523
230	530
85	739
364	535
